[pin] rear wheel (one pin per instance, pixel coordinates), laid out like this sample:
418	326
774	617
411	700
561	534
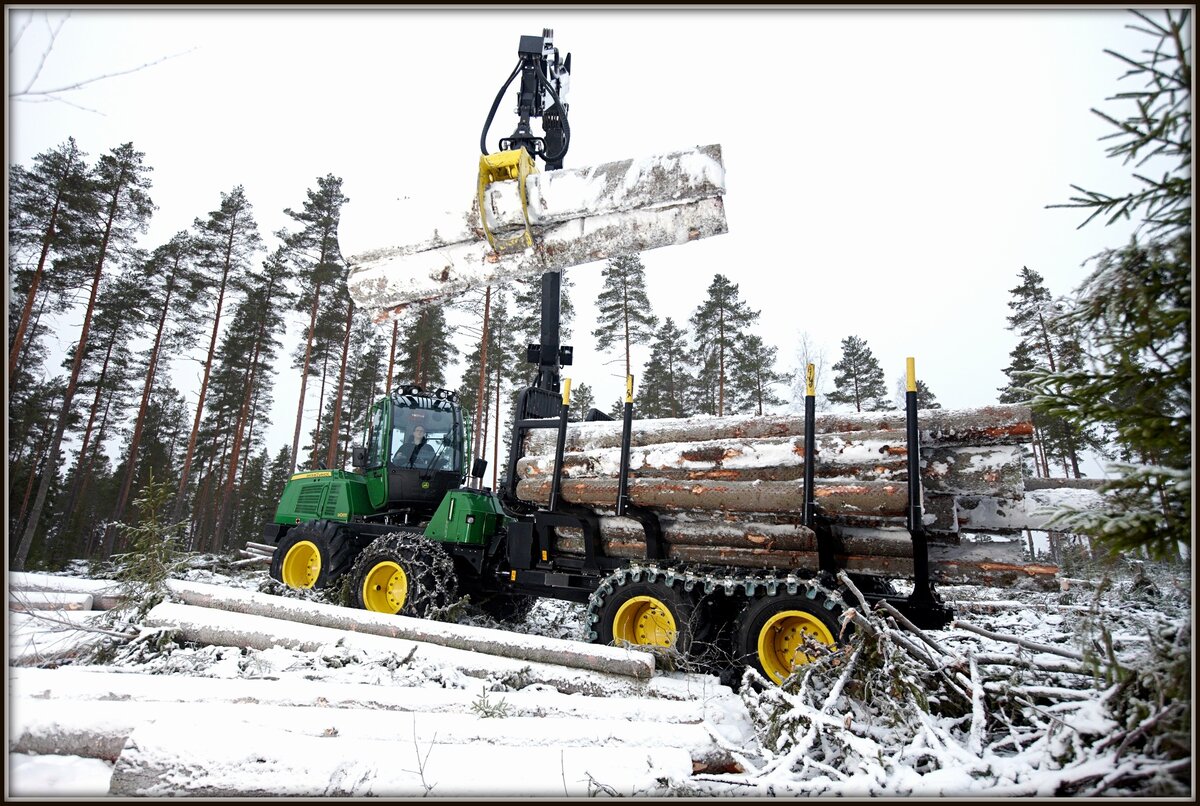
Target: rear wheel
403	573
312	555
775	634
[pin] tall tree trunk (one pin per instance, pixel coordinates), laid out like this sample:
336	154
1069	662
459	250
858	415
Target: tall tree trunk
320	408
336	425
483	345
212	349
392	356
50	471
312	328
90	467
147	387
496	436
47	239
82	461
721	361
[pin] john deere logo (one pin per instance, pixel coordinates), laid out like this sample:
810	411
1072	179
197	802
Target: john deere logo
424	485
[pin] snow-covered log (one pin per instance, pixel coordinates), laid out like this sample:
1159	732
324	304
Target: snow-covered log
48	600
989	425
219	759
459	636
999	564
876	498
576	216
105	593
100	729
673	699
44	636
205	625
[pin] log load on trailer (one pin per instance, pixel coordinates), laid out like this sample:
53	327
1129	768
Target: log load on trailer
719	538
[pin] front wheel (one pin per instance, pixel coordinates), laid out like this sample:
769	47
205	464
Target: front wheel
312	555
405	574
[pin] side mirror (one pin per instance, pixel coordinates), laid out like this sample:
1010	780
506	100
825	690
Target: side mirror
358	456
479	468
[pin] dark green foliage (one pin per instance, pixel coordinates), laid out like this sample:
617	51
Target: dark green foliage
153	548
623	315
665	388
858	378
718	326
426	348
582	399
1134	316
756	378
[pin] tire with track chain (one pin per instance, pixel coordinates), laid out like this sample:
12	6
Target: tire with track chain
776	628
640	609
403	573
313	555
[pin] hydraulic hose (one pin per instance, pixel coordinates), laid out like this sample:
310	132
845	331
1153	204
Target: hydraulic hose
566	126
496	105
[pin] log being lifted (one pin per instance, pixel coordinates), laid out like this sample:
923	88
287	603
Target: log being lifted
575	216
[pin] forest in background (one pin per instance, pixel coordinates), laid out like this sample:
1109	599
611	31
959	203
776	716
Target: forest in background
1107	367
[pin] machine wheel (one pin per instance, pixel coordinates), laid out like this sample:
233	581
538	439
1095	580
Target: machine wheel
652	614
312	556
772	631
403	573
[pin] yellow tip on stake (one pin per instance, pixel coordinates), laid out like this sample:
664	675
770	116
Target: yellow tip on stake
912	374
810	380
628	388
566	391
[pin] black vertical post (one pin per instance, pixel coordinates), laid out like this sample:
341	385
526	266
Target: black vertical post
626	436
825	558
561	446
810	428
922	592
548	360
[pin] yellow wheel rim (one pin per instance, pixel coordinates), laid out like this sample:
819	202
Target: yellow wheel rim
301	565
385	588
644	620
780	640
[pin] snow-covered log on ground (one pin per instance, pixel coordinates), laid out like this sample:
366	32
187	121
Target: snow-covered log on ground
575	216
48	600
100	729
666	699
219	759
105	593
459	636
205	625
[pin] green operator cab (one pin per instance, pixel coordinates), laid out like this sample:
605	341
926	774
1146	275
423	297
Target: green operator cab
416	448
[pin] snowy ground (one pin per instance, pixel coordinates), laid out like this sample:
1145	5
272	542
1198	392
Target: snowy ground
871	722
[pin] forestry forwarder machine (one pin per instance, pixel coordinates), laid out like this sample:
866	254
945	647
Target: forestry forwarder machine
412	532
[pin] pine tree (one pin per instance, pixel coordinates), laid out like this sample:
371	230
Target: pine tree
1134	314
425	348
47	204
583	399
1048	344
225	244
119	187
623	314
665	387
925	398
858	378
317	262
718	326
755	376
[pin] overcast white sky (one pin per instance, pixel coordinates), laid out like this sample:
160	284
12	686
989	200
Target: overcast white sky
887	172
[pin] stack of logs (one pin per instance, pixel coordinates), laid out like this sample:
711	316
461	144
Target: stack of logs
730	490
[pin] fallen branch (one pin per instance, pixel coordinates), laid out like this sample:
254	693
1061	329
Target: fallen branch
1012	639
